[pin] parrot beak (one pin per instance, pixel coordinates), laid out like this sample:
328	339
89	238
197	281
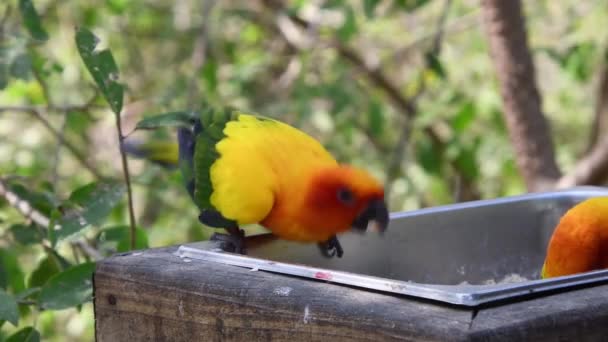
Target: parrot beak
376	212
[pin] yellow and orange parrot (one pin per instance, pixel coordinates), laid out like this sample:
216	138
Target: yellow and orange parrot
243	169
580	240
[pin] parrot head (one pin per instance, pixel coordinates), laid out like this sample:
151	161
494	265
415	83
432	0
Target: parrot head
580	241
345	197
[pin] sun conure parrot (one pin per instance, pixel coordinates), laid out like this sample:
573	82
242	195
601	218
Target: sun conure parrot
244	169
580	240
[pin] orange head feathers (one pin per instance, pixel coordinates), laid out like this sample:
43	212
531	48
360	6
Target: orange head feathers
345	196
580	240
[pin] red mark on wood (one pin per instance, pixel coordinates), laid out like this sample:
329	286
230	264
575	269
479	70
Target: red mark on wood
323	275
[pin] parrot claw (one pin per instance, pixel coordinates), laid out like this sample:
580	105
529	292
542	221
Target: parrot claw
331	248
233	242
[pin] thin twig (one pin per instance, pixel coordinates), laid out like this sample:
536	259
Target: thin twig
380	147
88	250
463	23
399	153
57	155
199	53
435	48
125	170
75	253
27	302
5	16
398	156
36	113
45	89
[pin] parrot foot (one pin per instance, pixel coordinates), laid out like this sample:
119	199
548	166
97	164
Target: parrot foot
233	242
331	248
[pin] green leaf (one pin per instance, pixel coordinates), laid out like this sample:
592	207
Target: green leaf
465	116
3	75
11	275
209	72
59	260
349	28
410	5
21	66
435	65
27	293
428	157
45	270
171	119
369	6
375	118
28	334
102	67
467	163
117	6
120	237
95	201
577	62
68	288
31	20
141	241
8	308
26	234
3	275
42	202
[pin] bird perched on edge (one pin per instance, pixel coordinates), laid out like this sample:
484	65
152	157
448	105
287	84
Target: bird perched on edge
580	240
243	169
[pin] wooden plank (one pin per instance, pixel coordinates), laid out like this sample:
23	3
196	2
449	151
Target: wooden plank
153	295
578	315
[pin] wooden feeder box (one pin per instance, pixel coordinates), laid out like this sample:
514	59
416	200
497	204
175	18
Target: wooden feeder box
461	272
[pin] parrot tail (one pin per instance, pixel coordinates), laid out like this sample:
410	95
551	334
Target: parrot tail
164	153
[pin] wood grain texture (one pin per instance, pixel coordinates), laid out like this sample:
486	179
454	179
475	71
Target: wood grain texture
580	315
153	295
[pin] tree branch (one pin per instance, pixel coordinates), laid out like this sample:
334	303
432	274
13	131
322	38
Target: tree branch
600	117
404	105
592	169
527	126
30	213
399	152
457	25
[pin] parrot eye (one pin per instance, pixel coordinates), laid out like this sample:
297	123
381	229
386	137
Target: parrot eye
345	196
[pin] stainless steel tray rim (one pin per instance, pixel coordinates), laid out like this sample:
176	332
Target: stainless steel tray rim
575	191
453	294
466	294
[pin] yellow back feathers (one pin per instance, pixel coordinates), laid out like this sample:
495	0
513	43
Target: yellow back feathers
259	159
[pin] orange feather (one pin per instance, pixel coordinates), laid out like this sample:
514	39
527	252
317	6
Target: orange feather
580	240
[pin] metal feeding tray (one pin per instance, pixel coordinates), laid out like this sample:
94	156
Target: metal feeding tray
465	254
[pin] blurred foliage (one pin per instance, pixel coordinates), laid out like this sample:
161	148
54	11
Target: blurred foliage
59	152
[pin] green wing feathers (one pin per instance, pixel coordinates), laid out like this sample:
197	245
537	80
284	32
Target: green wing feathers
195	153
212	124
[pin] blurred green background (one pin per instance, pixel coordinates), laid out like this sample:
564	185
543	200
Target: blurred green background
336	69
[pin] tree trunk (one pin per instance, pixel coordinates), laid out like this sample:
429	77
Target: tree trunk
528	129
